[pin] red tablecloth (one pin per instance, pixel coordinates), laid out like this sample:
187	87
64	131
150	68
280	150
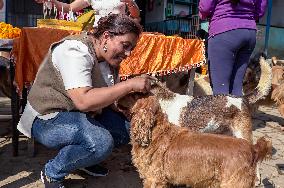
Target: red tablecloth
154	53
30	49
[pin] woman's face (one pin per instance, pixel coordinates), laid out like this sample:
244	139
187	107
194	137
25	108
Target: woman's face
118	48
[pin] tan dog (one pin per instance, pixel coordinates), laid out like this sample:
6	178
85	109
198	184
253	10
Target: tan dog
166	154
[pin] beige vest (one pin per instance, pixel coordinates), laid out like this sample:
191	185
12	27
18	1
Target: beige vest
48	93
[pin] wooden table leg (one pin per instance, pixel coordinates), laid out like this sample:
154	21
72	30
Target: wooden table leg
15	110
190	82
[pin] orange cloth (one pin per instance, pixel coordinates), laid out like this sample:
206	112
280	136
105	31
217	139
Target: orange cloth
163	54
154	53
30	49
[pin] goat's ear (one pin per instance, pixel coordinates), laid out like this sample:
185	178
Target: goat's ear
142	122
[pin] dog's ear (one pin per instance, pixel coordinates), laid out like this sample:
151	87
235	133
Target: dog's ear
143	120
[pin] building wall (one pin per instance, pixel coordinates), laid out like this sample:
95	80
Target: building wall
23	13
158	12
276	39
275	43
277	18
2	12
179	8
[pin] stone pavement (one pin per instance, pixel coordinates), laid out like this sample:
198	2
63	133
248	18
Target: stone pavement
24	171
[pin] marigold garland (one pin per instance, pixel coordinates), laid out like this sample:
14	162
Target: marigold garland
7	31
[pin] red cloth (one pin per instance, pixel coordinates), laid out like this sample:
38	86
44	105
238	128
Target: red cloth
30	49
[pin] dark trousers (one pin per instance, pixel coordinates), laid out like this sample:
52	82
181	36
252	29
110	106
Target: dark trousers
228	55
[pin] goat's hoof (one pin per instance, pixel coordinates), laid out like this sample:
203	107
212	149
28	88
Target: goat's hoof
258	180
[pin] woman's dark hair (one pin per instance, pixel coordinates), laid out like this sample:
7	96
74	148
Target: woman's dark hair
117	25
235	2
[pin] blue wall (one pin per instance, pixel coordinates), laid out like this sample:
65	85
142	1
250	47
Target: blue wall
275	43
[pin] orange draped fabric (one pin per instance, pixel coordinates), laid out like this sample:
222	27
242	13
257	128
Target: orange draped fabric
154	53
30	49
160	54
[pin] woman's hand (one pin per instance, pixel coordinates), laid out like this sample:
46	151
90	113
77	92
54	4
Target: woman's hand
141	83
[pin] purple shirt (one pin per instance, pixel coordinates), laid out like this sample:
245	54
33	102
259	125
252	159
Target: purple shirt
224	16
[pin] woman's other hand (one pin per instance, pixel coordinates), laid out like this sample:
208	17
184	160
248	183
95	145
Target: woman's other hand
75	6
133	8
41	1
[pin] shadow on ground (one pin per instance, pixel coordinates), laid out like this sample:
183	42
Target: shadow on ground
24	171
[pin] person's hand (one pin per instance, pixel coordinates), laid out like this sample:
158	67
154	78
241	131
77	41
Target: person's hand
42	1
133	9
126	1
129	3
141	83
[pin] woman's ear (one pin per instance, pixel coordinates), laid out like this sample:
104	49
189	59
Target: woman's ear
106	35
104	38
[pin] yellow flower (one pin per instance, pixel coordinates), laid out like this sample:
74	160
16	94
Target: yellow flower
7	31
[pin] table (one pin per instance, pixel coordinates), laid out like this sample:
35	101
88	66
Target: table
30	49
14	101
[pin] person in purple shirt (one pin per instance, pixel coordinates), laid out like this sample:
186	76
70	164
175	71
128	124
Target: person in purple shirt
232	38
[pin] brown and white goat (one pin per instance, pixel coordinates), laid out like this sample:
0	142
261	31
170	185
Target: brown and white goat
165	154
220	114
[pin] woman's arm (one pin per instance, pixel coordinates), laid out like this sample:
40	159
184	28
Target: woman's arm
74	63
261	8
75	5
92	99
206	8
1	4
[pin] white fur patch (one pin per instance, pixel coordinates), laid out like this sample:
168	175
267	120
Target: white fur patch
212	125
237	102
238	134
173	107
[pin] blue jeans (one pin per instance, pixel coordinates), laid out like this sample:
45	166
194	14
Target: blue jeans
228	55
83	141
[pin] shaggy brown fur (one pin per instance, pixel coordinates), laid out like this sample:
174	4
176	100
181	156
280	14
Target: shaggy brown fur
278	96
211	114
166	154
277	76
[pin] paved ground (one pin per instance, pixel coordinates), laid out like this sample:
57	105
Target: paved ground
23	171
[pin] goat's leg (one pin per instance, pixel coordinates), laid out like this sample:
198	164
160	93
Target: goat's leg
258	176
154	184
242	128
246	133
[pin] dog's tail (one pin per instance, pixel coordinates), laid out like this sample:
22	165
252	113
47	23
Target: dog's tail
264	85
262	150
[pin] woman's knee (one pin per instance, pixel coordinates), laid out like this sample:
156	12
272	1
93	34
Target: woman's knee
99	140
